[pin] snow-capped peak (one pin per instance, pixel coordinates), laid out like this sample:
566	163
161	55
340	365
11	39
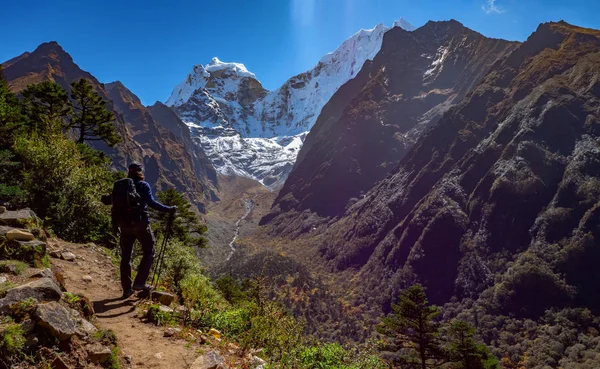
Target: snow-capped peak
402	23
238	68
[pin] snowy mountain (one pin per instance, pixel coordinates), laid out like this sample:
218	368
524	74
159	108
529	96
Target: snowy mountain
246	129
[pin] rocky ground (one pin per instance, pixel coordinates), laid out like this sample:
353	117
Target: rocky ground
66	298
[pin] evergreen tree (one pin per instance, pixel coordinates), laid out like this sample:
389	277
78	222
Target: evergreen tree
186	225
464	351
90	117
46	105
11	119
413	330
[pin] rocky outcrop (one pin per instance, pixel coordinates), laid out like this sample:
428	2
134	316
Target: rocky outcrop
44	289
56	320
167	162
373	120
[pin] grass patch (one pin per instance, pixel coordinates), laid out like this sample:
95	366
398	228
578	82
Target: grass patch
12	341
13	266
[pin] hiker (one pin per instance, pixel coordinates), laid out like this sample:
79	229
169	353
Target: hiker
136	226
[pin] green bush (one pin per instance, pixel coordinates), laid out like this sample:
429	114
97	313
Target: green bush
63	188
201	299
328	356
12	341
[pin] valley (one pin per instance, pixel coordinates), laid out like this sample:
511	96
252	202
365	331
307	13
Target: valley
431	156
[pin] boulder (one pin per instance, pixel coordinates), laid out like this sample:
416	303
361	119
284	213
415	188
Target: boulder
31	252
18	218
19	235
44	289
56	320
98	354
210	360
163	298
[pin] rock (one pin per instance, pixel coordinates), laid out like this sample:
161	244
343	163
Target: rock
87	327
2	209
31	252
44	289
87	278
3	279
158	355
58	363
68	256
9	268
165	309
202	339
128	359
56	319
18	218
98	354
210	360
28	325
170	332
164	298
215	333
257	363
19	235
56	254
44	273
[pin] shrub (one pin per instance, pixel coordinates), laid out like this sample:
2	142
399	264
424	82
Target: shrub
63	188
328	356
12	342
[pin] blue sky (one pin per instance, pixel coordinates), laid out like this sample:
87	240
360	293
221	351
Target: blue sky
151	45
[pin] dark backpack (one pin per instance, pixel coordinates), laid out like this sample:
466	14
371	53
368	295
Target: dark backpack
126	203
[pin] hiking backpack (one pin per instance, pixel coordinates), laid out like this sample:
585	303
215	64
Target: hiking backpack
126	203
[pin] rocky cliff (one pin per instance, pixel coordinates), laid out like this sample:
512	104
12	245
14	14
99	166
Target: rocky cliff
373	120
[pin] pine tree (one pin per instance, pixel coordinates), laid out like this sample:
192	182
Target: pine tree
464	351
186	226
11	119
46	104
90	116
413	330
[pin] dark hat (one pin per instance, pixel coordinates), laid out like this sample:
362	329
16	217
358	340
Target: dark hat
135	166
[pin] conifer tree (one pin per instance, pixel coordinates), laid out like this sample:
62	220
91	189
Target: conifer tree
45	104
90	117
10	114
413	330
186	226
464	351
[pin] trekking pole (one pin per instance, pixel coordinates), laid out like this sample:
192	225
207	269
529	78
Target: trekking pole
161	252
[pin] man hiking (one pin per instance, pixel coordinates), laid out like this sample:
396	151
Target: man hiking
134	224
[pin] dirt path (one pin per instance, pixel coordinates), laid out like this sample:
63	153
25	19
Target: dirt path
143	342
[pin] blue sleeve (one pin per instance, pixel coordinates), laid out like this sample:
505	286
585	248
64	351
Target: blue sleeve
146	194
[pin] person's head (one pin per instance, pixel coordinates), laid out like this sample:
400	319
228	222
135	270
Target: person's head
136	171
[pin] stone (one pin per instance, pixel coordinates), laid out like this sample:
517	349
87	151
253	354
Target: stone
58	363
68	256
257	363
158	355
170	332
128	359
44	273
87	327
87	278
215	333
32	252
2	209
98	354
9	267
3	279
28	325
210	360
165	309
44	289
55	254
18	218
56	320
19	235
163	298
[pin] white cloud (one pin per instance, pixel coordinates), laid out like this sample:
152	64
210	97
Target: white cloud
490	7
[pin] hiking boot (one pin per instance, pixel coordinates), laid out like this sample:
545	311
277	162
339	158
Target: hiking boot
127	294
145	287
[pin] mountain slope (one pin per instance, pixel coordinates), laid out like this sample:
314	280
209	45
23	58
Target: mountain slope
500	200
370	123
167	161
245	129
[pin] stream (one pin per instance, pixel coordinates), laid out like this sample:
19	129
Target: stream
249	205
